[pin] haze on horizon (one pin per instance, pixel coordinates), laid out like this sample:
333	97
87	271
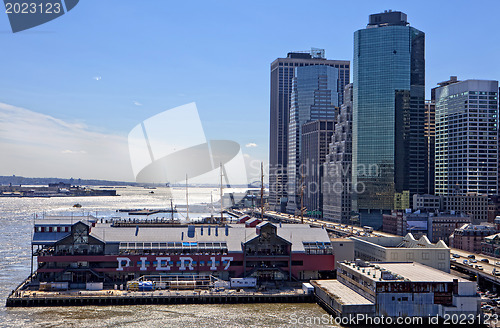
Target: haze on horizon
72	89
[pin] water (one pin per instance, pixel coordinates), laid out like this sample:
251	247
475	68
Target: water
16	219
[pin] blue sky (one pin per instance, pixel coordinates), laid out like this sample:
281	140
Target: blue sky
108	65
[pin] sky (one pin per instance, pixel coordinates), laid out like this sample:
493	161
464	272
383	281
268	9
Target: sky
71	90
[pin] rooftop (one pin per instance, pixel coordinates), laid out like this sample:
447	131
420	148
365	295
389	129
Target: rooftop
343	294
394	271
407	241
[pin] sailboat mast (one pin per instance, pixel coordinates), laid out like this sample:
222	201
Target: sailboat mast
261	190
187	198
221	209
211	206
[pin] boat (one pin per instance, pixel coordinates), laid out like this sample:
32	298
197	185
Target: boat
77	205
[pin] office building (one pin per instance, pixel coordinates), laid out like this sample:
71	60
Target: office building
337	186
389	145
474	205
397	291
430	143
403	249
470	237
315	138
467	137
282	74
314	97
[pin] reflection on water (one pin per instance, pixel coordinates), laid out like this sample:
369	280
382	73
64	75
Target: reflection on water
16	219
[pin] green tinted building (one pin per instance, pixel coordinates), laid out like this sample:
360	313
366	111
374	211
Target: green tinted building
389	149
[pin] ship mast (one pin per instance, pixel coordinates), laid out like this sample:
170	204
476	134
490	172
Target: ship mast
221	209
261	190
187	198
211	206
302	196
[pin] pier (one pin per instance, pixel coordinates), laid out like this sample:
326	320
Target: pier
117	297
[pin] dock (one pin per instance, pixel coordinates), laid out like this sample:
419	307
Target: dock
340	300
118	297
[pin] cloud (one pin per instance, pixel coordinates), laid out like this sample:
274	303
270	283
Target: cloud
38	145
97	78
251	145
137	103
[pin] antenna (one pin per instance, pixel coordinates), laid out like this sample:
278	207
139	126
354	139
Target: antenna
187	199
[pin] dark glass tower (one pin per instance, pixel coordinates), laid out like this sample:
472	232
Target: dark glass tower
315	96
282	74
389	146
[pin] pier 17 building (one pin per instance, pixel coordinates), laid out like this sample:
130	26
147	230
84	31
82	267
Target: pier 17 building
81	250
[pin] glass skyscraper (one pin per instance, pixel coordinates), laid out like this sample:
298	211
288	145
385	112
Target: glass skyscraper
282	74
315	96
467	137
389	148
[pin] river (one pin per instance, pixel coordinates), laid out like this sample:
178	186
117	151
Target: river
16	219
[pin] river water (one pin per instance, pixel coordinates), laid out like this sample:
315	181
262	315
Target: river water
16	219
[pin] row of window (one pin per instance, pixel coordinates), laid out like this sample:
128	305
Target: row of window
52	229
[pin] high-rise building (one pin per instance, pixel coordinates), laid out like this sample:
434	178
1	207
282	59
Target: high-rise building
315	138
282	74
315	96
430	142
467	138
389	147
337	173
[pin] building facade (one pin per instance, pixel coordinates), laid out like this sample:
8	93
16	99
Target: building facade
470	237
282	74
315	96
337	188
467	138
430	141
389	145
315	138
474	205
120	250
403	249
406	290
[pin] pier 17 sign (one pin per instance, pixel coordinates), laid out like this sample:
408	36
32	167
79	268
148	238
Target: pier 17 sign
166	263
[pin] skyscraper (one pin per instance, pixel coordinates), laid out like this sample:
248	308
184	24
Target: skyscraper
315	96
337	173
467	137
282	74
316	136
430	140
389	148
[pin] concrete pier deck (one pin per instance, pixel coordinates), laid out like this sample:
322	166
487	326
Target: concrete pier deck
118	297
340	300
